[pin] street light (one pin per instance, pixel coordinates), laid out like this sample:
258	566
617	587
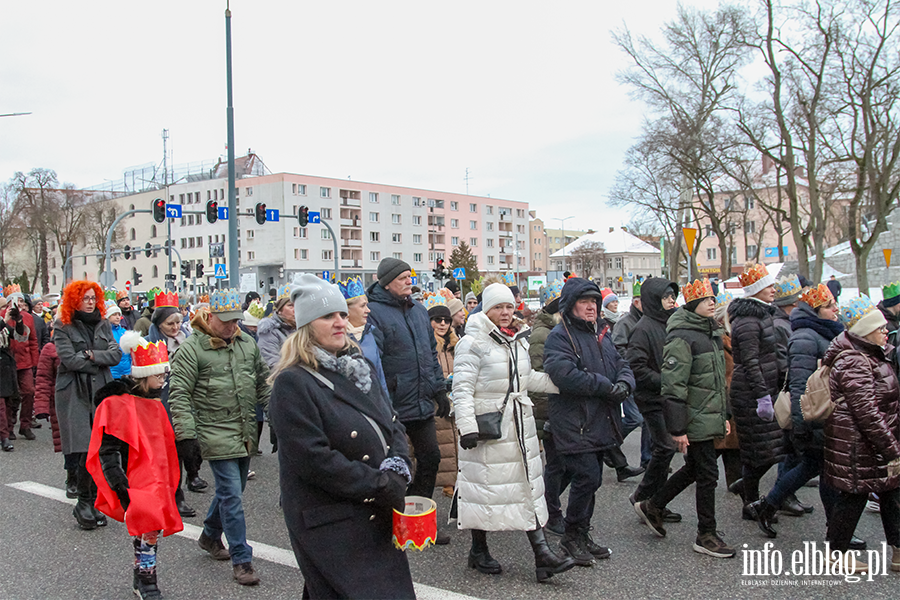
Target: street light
562	224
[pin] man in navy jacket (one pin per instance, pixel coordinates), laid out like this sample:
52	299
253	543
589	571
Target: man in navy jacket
593	381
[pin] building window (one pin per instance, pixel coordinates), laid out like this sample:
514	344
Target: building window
710	254
325	213
375	256
325	192
417	220
489	242
398	255
132	235
249	191
489	226
751	251
373	217
454	205
750	227
326	235
417	238
251	255
301	189
155	272
301	254
749	203
417	257
520	228
454	241
395	237
395	219
490	260
300	233
618	260
418	201
327	254
733	252
454	223
395	199
520	213
473	242
709	231
473	224
473	207
251	234
374	236
373	197
488	210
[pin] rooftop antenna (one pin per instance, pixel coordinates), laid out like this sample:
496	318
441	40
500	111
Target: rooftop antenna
467	178
165	138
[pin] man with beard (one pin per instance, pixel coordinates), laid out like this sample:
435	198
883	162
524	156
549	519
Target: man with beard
129	315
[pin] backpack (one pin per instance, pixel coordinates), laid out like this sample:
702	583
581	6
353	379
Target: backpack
816	404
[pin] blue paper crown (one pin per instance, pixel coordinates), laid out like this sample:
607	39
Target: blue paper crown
431	300
788	286
222	301
724	298
552	292
509	279
855	310
284	291
352	288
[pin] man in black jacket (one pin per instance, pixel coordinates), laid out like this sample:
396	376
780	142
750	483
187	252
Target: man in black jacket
593	381
645	357
414	377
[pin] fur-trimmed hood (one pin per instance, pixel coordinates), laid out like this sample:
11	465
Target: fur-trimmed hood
749	307
271	323
116	387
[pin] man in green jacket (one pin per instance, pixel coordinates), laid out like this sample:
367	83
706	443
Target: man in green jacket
693	386
218	377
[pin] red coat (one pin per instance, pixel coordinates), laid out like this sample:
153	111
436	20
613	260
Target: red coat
26	353
45	390
152	469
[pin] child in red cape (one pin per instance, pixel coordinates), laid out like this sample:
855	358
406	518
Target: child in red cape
132	457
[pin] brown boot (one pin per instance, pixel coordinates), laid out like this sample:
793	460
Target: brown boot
245	574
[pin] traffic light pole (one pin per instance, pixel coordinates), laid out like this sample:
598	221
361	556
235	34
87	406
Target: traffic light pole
112	229
337	270
233	254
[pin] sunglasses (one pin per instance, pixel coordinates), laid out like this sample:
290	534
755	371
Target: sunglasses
441	319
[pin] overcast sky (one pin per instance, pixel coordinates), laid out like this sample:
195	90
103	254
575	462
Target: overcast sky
398	92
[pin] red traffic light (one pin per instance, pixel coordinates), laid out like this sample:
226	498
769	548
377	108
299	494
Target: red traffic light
212	211
159	210
260	213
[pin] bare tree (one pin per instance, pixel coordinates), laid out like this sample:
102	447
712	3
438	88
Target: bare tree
67	219
7	226
34	206
589	259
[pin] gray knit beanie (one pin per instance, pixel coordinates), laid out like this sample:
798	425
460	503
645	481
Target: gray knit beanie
389	269
314	297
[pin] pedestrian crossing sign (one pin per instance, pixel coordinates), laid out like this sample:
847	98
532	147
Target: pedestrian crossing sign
220	272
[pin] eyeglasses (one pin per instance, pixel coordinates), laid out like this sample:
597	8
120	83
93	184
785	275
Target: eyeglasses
442	319
90	299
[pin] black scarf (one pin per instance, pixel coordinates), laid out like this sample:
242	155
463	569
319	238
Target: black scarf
88	318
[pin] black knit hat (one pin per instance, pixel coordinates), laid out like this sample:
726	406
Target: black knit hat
451	285
389	269
440	310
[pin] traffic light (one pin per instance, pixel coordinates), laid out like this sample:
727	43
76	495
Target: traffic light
127	252
260	213
135	277
199	270
439	269
159	210
148	249
167	244
185	269
303	216
212	211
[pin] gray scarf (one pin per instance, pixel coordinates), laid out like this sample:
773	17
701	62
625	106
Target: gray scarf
352	366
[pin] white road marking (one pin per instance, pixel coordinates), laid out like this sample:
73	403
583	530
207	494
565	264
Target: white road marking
262	551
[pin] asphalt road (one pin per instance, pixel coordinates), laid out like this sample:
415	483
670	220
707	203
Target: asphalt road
43	554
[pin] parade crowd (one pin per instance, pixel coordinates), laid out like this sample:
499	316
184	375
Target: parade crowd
376	394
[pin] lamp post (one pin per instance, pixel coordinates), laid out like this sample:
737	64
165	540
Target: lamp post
562	224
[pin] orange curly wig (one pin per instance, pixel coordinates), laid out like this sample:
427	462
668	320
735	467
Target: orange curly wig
72	296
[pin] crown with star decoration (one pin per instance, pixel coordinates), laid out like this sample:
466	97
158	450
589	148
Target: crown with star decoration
701	288
553	291
352	288
817	296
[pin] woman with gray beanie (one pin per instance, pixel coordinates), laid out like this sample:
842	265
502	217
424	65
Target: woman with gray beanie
342	452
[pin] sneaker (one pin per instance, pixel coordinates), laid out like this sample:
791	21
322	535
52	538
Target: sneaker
7	445
245	574
652	516
597	551
251	474
27	434
847	561
712	544
215	547
670	517
895	558
573	546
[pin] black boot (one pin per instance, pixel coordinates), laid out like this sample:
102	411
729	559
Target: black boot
479	557
546	562
764	513
98	516
84	508
793	507
71	485
144	585
572	544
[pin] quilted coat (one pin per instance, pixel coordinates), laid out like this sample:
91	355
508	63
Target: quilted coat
45	390
861	434
756	374
500	484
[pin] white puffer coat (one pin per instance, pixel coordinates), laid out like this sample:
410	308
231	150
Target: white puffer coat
500	486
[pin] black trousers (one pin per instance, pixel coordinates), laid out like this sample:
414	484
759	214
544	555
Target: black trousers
700	466
751	477
586	473
423	439
848	508
662	449
556	478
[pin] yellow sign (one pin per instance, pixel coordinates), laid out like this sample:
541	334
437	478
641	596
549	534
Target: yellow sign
412	272
887	256
690	234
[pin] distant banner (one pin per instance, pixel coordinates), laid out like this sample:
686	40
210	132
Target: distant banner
772	252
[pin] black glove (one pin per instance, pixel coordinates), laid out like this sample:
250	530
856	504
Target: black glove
14	313
620	392
443	404
392	491
124	498
189	452
468	441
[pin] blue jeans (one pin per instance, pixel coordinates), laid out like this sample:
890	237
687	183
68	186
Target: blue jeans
226	513
631	421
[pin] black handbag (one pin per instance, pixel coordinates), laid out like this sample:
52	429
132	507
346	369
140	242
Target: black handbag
489	423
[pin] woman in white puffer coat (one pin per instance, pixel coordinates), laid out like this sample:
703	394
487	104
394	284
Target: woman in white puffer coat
500	484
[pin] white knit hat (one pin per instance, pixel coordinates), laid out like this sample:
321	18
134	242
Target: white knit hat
494	294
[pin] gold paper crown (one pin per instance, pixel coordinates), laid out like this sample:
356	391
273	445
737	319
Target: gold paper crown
204	299
12	289
701	288
817	296
224	301
430	300
751	276
121	294
168	300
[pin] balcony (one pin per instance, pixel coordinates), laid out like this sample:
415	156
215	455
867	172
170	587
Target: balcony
347	243
351	202
351	264
504	234
355	223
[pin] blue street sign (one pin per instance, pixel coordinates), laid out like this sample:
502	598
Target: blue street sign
459	273
223	213
326	275
773	251
314	217
414	280
173	211
271	214
220	272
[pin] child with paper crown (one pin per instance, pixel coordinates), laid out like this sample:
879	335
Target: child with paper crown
132	457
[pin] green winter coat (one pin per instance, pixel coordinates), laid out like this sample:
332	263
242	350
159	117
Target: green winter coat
693	377
215	388
543	325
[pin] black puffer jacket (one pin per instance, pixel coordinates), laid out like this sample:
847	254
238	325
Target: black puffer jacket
861	435
624	327
782	321
645	348
408	354
810	339
756	374
583	416
543	324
